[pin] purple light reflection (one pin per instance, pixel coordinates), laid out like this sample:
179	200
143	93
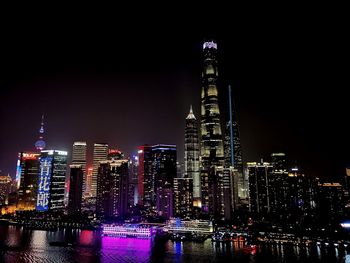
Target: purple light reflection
133	249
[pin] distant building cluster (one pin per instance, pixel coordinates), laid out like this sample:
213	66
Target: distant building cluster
211	182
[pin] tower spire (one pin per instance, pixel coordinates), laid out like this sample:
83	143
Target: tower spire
40	143
190	115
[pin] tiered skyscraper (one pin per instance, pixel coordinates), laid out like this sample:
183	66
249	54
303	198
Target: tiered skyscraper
192	157
212	149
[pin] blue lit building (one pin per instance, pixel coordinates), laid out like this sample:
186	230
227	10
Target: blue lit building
51	180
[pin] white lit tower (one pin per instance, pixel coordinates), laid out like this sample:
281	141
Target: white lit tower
212	149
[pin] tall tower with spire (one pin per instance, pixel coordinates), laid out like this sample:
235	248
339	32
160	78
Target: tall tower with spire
212	149
192	156
40	143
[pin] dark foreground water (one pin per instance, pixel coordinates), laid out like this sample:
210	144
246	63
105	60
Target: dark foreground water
18	245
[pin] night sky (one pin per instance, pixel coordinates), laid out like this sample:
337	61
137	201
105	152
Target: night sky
129	80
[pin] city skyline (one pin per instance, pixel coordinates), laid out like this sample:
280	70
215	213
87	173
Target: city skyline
305	122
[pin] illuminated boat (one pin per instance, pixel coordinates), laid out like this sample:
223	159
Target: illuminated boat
128	230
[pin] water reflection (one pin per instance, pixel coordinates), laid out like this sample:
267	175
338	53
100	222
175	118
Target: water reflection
18	245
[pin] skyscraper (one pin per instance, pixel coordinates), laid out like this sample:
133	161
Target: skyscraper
212	150
79	158
133	180
5	189
75	188
112	188
88	183
100	154
28	170
259	173
183	189
145	175
192	157
51	182
232	147
163	174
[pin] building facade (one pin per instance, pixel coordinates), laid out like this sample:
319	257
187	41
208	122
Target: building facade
163	174
51	180
76	178
211	147
28	169
183	189
259	174
79	158
145	177
192	157
112	189
100	154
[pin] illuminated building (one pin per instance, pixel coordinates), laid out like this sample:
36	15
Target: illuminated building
144	172
100	154
51	181
280	185
75	188
133	180
28	171
5	189
163	174
183	189
259	174
79	158
229	192
330	203
112	188
233	151
212	150
299	202
88	182
128	230
115	154
192	157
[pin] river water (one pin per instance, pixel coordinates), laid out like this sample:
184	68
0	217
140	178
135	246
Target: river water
18	245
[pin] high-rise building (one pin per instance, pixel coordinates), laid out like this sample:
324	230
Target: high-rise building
100	154
88	182
75	188
145	181
233	151
163	174
133	180
51	181
259	196
297	201
183	189
79	158
330	203
5	189
192	157
112	188
212	150
28	169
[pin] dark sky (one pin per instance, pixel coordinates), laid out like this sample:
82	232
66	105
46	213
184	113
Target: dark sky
129	78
